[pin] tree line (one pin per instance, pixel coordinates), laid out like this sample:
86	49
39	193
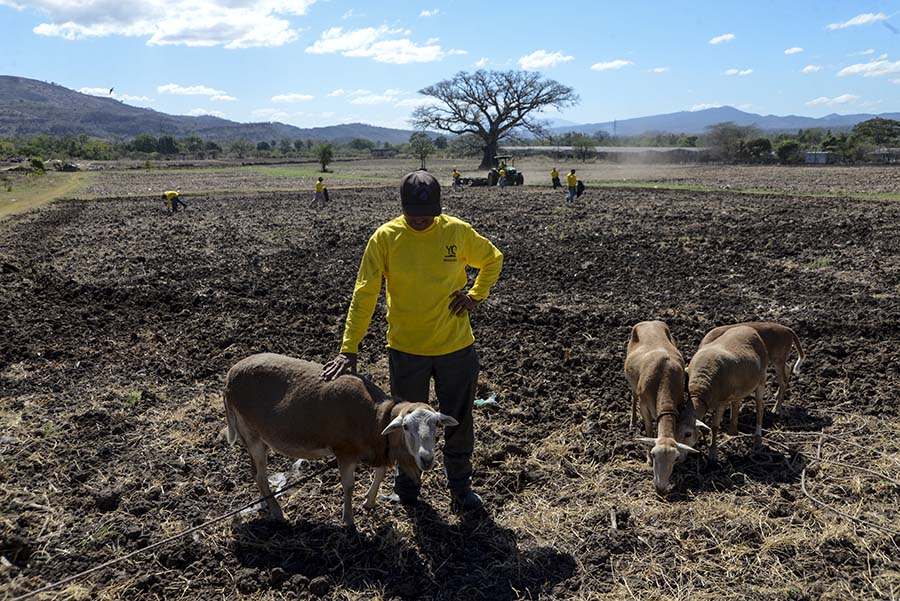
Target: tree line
746	143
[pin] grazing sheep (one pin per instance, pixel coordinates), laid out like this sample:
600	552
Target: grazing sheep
278	402
654	369
725	371
778	340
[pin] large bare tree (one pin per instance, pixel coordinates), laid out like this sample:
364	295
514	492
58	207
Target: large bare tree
491	105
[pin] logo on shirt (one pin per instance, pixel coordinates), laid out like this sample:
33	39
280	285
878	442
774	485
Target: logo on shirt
450	257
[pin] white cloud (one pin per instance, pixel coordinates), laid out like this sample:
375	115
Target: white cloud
359	92
842	99
864	52
429	13
383	98
721	39
95	91
270	114
658	69
744	107
228	23
130	98
177	90
291	98
737	72
895	81
416	102
703	107
222	98
371	42
350	14
337	92
874	68
811	69
105	93
610	65
541	59
863	19
205	112
481	62
794	50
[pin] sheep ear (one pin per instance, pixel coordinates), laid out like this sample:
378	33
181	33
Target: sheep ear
395	424
703	426
446	420
686	448
650	442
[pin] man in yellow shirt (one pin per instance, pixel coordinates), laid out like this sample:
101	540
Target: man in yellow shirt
422	257
456	175
501	178
554	178
173	199
572	183
321	194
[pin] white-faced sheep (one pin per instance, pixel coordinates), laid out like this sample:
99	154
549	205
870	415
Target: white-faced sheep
278	402
655	372
725	371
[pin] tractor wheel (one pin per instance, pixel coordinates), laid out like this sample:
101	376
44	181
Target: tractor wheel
492	178
520	180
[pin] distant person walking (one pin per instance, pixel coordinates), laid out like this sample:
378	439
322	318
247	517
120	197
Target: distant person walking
321	193
554	178
572	183
173	199
456	175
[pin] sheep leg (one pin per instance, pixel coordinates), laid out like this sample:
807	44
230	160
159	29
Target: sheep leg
634	401
735	411
781	370
348	472
760	409
717	421
259	462
372	494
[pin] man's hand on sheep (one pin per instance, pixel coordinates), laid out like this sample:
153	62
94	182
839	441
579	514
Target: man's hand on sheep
461	302
344	363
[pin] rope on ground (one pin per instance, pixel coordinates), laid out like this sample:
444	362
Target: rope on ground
818	459
168	540
825	505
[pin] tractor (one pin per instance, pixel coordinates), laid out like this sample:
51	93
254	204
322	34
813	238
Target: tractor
514	177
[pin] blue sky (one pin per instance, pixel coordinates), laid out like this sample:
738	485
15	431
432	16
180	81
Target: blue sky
322	62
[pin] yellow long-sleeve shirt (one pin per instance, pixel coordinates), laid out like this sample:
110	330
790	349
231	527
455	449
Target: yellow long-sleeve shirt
421	270
554	173
170	196
571	180
320	187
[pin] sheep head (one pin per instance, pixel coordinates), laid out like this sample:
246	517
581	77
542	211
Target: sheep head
418	426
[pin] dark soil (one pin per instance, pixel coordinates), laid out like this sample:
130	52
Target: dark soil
119	323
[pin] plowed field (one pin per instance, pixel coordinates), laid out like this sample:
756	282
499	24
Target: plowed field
119	323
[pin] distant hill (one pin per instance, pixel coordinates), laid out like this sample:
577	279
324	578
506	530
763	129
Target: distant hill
29	107
696	122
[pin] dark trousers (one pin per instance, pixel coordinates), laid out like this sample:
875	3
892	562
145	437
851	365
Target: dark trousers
455	379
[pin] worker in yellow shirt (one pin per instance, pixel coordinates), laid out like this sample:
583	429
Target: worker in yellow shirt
572	183
173	199
321	195
554	178
456	175
422	257
501	177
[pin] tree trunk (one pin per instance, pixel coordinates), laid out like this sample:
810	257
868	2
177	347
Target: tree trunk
490	150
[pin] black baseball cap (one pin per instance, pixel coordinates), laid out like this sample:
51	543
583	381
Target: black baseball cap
420	195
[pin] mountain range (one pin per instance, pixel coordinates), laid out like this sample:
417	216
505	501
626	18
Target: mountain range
696	122
30	107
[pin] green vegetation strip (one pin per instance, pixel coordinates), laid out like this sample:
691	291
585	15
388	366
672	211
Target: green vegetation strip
756	191
26	192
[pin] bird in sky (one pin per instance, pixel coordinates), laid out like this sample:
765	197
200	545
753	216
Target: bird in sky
110	91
